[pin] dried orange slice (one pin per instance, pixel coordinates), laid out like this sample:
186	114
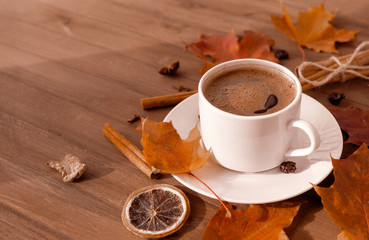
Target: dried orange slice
155	211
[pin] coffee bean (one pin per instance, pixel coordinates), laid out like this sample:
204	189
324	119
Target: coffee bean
288	167
260	111
271	101
335	98
280	54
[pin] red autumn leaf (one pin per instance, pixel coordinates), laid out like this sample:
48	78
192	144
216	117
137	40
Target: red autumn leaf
313	29
355	122
164	149
265	221
347	200
217	48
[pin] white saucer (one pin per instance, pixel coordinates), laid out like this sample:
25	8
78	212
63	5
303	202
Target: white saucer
267	186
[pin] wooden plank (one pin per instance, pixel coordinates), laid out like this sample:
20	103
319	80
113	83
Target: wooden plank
68	67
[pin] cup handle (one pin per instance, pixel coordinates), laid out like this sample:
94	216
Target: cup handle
312	133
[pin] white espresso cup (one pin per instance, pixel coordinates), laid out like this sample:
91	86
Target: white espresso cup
253	143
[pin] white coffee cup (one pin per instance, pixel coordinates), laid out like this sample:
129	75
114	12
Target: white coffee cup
253	143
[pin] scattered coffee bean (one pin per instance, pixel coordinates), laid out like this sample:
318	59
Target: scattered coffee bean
335	98
288	167
281	54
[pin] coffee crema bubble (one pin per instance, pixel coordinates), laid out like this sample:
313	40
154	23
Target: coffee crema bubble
245	91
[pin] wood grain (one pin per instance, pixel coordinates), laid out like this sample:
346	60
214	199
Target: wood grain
68	67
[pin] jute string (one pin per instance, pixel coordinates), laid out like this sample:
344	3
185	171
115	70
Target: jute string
342	68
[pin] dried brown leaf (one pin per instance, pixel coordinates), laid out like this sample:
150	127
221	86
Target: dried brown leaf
347	200
355	122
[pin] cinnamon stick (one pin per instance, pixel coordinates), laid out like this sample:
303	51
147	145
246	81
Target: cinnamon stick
166	100
129	150
348	76
361	59
314	73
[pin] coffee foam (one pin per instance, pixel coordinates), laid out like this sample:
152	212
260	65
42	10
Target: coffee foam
244	91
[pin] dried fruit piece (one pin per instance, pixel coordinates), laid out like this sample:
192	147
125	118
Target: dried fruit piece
288	167
170	69
155	211
335	98
70	167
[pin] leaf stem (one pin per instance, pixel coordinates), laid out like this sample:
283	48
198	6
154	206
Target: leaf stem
228	214
302	52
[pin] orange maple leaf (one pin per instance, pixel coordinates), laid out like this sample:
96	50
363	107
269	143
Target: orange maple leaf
164	149
347	200
217	48
264	221
313	29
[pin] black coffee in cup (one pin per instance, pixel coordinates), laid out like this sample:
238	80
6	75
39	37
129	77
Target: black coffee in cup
250	91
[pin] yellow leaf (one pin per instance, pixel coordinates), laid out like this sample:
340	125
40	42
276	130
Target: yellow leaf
165	150
313	29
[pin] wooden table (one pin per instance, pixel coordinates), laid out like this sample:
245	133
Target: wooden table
68	67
